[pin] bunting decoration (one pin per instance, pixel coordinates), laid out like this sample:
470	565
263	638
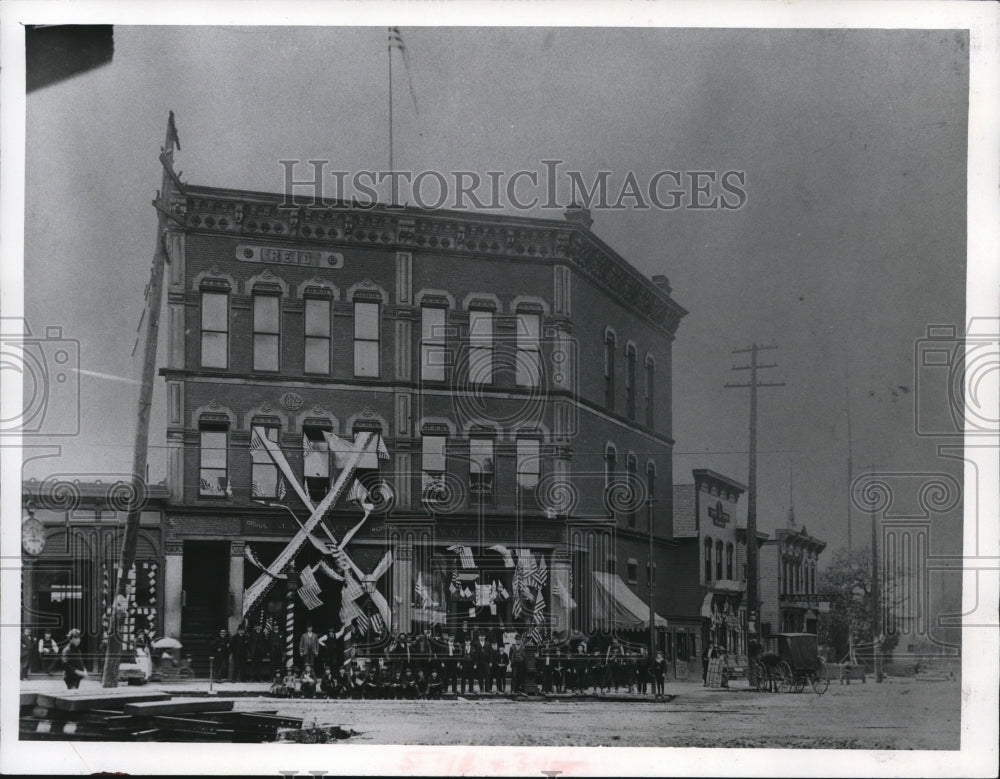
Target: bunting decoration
251	557
504	552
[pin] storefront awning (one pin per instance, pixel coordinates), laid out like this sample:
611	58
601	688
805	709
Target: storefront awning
616	606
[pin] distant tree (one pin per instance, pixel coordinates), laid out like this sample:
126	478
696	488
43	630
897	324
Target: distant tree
847	584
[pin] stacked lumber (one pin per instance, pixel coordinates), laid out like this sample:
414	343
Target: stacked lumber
144	716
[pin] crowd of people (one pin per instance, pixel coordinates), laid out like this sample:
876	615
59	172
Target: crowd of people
51	657
427	665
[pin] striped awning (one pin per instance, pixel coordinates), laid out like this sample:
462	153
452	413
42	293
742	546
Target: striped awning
616	606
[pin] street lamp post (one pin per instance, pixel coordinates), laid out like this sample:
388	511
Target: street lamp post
650	500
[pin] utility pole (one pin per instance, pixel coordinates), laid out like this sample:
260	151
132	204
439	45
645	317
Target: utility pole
876	601
850	467
119	609
753	603
650	501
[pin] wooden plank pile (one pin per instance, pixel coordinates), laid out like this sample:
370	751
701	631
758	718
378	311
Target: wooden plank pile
144	716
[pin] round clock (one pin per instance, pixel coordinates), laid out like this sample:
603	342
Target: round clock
32	536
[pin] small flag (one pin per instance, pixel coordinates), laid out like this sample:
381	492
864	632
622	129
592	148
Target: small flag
464	555
358	493
378	626
508	560
539	611
309	591
455	586
172	138
255	490
229	488
517	608
540	574
472	611
281	488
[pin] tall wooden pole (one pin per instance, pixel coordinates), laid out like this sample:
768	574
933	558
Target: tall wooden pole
753	601
876	601
119	608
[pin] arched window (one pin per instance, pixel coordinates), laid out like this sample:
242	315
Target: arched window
718	559
630	381
631	465
729	561
609	371
610	464
708	559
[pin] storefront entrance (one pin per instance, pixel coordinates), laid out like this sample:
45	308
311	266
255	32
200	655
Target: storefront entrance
205	598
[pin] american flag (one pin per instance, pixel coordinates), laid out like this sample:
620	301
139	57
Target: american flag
538	613
464	555
456	583
540	574
281	488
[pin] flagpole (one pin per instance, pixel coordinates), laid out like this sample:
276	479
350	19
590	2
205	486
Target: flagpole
389	50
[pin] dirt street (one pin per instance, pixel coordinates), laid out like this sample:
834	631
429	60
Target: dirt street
898	714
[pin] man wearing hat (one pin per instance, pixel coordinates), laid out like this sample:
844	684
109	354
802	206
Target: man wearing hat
72	657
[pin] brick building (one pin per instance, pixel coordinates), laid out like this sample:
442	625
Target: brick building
707	599
517	370
788	563
70	562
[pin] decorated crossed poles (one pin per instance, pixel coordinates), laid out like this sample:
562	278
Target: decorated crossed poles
364	452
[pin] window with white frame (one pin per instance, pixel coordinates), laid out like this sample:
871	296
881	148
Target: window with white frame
214	329
480	346
317	335
529	359
433	464
366	339
263	470
213	480
266	331
432	343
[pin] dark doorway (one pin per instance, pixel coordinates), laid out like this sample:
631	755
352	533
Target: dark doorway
205	609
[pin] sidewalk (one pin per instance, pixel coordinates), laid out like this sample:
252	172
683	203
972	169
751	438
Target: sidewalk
201	687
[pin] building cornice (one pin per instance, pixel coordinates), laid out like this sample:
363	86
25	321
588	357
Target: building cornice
259	215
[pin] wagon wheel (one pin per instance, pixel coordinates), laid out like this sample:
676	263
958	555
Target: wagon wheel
754	676
820	679
799	681
786	681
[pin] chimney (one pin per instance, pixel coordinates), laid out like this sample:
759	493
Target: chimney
579	215
662	283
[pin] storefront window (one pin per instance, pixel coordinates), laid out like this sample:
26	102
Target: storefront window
481	472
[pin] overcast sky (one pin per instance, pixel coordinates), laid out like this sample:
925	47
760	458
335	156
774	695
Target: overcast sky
851	241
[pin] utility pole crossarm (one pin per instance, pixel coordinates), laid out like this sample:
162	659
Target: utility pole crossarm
753	603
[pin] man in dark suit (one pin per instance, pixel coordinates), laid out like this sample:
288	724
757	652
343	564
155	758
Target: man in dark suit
500	661
483	657
256	652
238	648
449	656
518	665
220	651
467	666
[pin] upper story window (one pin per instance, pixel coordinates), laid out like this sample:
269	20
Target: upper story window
432	343
433	465
529	362
650	387
481	470
480	347
263	470
718	559
729	561
630	382
610	465
214	329
317	335
632	467
708	559
366	339
632	570
266	331
528	470
315	461
609	372
213	479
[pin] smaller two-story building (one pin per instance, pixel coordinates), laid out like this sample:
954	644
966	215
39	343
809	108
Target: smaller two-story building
707	602
788	563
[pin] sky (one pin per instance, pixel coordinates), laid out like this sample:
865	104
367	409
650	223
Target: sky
851	241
